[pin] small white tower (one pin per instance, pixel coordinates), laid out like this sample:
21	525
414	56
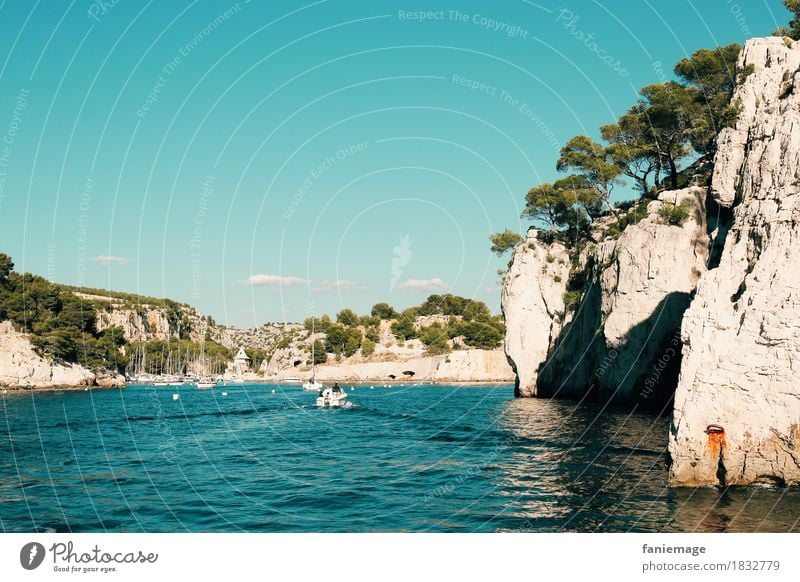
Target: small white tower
241	362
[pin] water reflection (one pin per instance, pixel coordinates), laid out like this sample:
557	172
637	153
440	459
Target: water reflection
589	468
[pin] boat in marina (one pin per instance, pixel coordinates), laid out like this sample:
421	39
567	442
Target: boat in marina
204	381
332	397
312	385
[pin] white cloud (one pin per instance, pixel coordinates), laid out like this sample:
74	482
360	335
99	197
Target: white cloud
271	281
340	284
110	260
435	284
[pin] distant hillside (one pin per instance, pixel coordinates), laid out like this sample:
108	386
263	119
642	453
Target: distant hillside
102	329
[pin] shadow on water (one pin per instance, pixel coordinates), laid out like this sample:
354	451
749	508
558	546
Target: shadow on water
606	471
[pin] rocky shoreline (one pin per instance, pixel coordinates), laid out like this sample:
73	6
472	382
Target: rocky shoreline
704	312
22	368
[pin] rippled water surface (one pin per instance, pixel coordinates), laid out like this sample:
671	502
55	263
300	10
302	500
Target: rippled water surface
432	458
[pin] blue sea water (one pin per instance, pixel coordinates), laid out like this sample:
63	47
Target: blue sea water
402	458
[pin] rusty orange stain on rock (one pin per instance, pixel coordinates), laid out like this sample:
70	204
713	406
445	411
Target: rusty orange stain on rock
716	442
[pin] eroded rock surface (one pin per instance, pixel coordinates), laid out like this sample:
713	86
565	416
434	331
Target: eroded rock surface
741	361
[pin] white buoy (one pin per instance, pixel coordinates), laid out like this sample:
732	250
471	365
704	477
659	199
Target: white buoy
372	387
273	390
176	396
351	388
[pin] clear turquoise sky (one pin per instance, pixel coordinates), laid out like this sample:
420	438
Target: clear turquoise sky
268	160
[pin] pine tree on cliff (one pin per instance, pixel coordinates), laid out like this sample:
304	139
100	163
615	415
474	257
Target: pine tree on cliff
793	30
6	266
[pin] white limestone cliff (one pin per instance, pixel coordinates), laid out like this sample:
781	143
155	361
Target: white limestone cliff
619	343
737	404
532	299
458	366
22	367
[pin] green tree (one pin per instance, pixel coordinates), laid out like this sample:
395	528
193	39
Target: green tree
669	109
565	206
403	328
476	311
373	333
435	338
545	203
384	311
369	321
317	324
632	148
480	335
711	73
504	241
367	347
594	163
6	267
793	30
320	355
342	340
347	317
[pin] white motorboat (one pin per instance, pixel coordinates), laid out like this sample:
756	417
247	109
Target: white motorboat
332	397
204	383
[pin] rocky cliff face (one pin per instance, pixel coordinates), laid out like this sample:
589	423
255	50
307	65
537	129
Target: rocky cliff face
146	324
532	298
737	404
21	367
457	366
619	339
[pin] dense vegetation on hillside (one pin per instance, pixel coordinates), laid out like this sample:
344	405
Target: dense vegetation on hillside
463	318
60	324
63	326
